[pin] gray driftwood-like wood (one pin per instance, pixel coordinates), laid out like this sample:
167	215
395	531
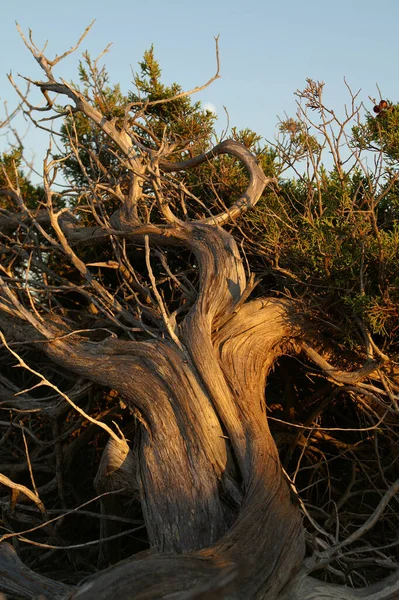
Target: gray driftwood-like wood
19	581
221	517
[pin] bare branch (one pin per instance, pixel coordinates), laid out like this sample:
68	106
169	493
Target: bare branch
341	376
45	63
183	94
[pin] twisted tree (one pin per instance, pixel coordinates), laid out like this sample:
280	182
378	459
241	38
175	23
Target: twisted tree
129	281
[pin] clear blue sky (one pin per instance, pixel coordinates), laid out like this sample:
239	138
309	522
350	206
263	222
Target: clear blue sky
267	49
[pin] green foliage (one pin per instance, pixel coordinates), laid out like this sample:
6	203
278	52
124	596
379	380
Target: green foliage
328	233
97	159
380	133
300	142
12	177
331	234
331	241
183	123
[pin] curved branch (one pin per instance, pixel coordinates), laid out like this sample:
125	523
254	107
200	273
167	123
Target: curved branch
257	178
303	587
18	580
338	376
127	144
18	488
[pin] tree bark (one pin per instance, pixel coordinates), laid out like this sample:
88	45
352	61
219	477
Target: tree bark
221	518
206	457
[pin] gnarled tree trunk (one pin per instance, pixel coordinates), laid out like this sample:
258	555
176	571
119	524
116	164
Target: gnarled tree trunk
221	517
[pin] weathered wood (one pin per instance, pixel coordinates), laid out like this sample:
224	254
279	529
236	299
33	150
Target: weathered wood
304	587
18	580
220	515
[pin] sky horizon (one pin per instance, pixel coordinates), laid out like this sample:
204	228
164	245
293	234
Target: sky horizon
267	50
